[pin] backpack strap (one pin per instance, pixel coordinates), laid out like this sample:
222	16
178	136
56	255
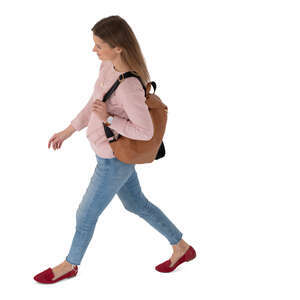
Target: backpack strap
119	80
148	87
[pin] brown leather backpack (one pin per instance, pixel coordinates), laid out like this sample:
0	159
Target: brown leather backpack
132	151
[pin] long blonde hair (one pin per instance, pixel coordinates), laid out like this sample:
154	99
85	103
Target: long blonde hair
116	32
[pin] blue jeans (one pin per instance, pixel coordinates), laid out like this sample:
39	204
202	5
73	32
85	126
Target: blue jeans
111	176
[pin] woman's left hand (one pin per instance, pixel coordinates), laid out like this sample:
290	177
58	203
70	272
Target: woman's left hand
99	107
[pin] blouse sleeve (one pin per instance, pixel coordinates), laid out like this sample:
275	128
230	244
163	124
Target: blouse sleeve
82	118
139	126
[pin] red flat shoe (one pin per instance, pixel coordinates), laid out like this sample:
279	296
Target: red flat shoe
187	256
47	275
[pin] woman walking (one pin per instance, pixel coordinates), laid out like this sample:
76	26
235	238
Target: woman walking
126	113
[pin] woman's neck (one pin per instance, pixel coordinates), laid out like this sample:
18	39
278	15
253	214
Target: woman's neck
120	67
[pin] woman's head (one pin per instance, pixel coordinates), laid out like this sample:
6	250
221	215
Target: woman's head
113	37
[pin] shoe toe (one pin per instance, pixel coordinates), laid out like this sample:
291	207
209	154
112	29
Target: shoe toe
164	266
44	276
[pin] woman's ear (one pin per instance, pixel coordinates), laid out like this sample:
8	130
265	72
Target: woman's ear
118	49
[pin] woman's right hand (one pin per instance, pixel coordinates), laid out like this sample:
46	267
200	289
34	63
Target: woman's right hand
58	138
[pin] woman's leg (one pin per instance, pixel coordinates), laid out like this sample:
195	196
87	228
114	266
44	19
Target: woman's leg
108	177
135	201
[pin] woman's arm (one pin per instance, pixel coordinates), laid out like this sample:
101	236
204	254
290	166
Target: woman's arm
82	118
139	126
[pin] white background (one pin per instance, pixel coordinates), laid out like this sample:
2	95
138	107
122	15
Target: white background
229	73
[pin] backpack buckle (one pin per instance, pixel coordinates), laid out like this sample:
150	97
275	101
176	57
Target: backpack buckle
122	75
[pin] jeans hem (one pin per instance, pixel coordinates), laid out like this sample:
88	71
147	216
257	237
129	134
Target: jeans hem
180	237
70	262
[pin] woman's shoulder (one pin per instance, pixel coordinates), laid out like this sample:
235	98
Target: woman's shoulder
131	85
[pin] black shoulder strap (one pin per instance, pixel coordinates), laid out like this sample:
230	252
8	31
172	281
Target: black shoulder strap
123	77
118	81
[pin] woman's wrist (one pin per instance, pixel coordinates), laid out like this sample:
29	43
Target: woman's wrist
107	122
70	129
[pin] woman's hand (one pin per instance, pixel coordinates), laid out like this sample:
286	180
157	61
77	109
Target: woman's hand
58	138
99	107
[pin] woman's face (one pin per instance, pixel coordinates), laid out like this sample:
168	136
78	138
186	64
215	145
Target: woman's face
103	50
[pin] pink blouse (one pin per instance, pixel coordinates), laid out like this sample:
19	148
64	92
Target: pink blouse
126	104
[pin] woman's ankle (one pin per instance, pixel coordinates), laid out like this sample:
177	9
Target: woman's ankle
67	264
181	245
